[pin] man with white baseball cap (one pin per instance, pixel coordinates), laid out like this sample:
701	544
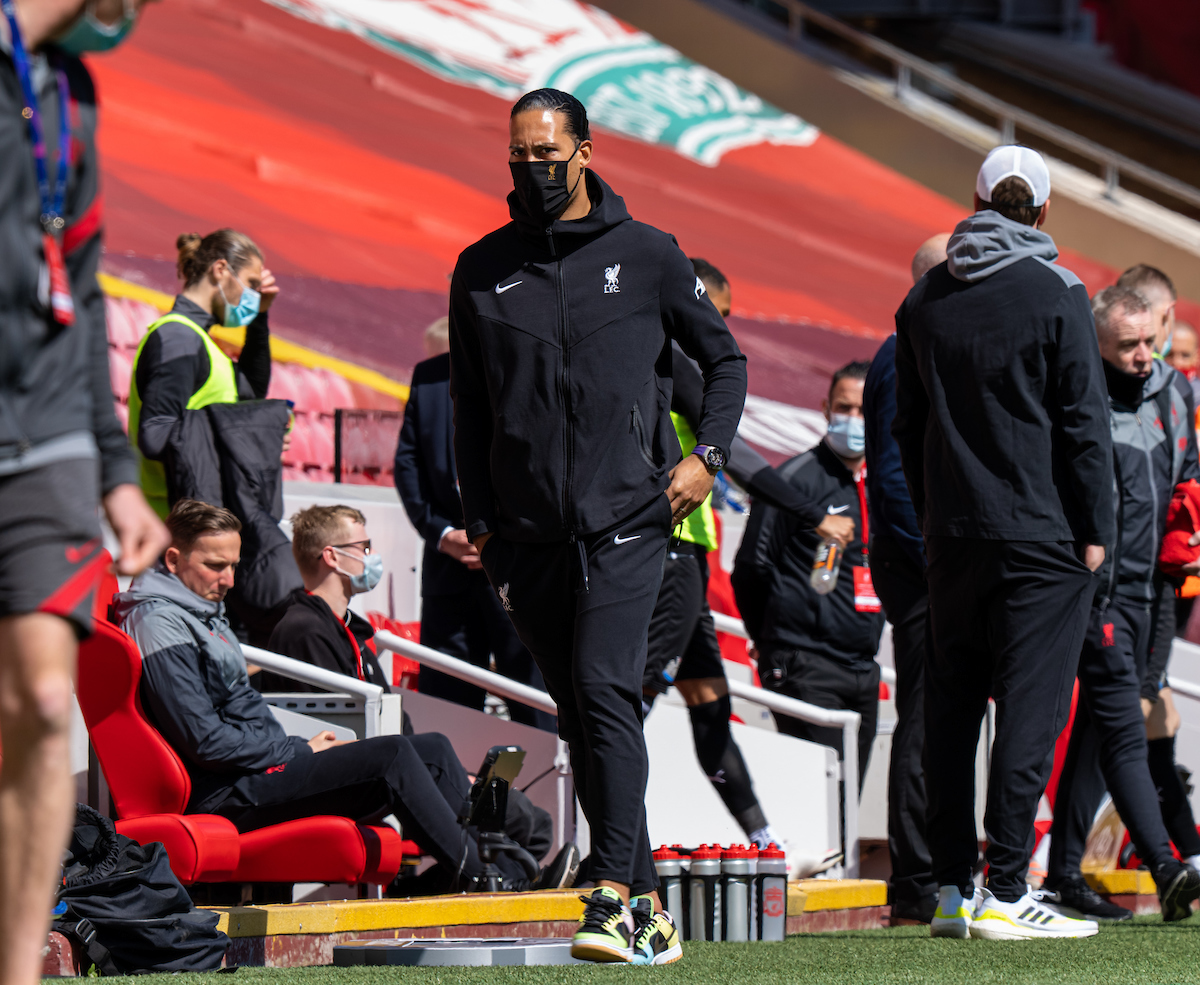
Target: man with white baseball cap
1002	424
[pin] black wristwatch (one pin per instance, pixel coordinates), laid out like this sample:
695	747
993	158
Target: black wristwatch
712	457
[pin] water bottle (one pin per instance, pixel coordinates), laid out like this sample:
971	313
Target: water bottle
772	894
704	894
826	564
669	866
738	868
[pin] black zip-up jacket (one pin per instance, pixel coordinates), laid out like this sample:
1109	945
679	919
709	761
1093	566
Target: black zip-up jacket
56	401
774	564
560	369
310	631
1001	414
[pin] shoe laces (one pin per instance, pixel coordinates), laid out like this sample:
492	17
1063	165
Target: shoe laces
600	912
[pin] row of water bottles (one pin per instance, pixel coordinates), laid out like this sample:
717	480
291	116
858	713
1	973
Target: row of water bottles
724	894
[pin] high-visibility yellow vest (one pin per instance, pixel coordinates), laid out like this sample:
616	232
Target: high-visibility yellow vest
700	527
219	388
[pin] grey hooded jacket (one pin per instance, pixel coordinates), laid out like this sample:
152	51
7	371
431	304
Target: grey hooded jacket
195	690
56	401
1001	412
1154	449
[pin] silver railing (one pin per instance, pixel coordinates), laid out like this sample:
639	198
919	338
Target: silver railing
1008	117
847	721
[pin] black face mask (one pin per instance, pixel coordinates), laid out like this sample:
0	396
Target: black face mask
541	187
1124	388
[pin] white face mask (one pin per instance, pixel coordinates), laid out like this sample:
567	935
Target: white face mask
847	435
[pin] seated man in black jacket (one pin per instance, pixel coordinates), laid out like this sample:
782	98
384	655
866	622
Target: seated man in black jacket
818	648
333	552
242	765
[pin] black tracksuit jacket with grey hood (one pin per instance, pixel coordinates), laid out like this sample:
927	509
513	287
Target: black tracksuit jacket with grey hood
560	369
1001	410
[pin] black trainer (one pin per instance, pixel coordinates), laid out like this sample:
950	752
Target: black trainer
1178	886
1075	898
906	912
562	872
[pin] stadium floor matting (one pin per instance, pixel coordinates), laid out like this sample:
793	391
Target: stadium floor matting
293	935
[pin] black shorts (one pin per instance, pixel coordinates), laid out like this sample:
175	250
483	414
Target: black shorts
682	644
51	552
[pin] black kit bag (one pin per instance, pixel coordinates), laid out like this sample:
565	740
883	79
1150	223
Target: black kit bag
126	909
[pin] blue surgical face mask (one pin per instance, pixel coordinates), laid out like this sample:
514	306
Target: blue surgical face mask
847	435
245	311
371	575
89	34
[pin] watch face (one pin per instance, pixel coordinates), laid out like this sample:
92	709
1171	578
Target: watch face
714	458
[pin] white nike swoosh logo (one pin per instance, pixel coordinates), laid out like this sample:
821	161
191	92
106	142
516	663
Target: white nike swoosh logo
835	510
618	539
507	287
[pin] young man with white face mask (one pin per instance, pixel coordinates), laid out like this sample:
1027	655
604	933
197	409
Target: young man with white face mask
818	648
334	553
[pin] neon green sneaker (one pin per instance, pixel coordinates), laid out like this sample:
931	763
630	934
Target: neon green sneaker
954	914
655	939
605	930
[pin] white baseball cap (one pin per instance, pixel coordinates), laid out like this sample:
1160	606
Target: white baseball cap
1013	161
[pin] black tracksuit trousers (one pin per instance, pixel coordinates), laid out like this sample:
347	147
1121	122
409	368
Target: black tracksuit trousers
1108	743
900	585
583	609
471	626
416	777
1008	621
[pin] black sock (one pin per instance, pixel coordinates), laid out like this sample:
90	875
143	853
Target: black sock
1176	811
722	762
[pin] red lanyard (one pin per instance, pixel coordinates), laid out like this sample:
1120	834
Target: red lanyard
861	483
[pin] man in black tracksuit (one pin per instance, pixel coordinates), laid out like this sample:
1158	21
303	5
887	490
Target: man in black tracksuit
1154	444
1004	440
817	648
560	367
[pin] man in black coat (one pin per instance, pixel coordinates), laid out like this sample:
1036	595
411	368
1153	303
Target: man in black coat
1004	438
460	614
819	648
561	324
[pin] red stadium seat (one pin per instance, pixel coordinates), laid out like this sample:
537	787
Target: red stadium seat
150	788
338	391
283	384
120	370
122	414
126	322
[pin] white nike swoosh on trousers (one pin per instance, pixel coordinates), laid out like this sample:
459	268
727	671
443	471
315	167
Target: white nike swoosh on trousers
507	287
618	539
835	510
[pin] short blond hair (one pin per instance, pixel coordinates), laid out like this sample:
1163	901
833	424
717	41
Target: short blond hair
315	528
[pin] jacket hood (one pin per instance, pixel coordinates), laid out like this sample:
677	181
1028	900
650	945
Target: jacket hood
987	242
159	585
608	210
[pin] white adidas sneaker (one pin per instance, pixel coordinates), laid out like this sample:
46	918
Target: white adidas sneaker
954	914
1029	918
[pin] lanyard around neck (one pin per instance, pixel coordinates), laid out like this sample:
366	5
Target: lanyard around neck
52	197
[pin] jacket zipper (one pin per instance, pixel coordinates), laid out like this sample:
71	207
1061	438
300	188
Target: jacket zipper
564	386
1150	474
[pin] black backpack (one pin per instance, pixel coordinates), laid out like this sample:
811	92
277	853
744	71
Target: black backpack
126	909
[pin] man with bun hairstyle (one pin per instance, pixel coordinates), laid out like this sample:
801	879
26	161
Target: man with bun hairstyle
178	366
570	470
1004	439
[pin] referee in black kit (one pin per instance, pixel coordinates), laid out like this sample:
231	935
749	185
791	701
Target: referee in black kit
560	367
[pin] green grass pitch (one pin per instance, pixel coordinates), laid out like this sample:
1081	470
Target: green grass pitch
1146	952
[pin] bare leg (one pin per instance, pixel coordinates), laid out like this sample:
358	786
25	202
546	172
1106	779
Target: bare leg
37	659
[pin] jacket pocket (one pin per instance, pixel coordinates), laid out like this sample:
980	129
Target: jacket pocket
638	429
